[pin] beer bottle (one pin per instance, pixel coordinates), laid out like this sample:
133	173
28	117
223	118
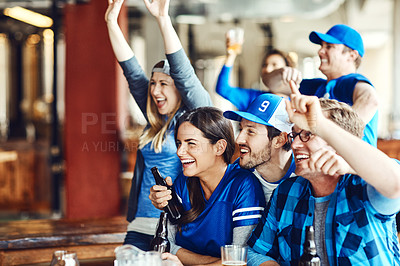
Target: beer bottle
174	207
160	241
309	257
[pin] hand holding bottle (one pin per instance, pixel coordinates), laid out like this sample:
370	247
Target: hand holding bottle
174	206
160	195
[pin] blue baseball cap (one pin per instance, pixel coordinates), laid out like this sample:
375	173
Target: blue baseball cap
340	34
267	109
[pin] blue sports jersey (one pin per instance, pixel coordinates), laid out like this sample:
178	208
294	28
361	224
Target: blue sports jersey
342	89
238	200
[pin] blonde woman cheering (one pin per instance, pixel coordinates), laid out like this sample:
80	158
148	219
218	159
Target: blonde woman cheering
173	88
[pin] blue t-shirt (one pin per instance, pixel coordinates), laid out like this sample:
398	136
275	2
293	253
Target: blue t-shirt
238	200
167	163
342	89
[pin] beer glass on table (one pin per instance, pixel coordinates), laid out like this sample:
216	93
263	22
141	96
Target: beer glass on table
129	255
64	258
234	255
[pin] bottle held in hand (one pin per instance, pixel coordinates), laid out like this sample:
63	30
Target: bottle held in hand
174	207
309	257
160	241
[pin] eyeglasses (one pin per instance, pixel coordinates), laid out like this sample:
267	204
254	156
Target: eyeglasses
304	136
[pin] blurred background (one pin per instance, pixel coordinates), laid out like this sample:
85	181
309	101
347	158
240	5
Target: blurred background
68	126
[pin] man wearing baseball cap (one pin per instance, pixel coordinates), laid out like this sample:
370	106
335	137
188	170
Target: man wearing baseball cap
341	52
263	141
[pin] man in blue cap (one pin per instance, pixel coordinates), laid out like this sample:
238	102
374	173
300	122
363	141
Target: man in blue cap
341	51
263	141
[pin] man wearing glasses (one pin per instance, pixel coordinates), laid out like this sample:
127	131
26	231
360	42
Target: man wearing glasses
351	200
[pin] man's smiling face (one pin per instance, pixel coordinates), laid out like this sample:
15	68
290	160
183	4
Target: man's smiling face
254	145
303	150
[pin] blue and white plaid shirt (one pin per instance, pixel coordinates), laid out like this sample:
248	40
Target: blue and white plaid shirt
355	232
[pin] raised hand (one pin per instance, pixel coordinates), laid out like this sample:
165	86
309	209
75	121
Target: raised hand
114	7
160	195
304	111
158	8
291	74
327	161
278	80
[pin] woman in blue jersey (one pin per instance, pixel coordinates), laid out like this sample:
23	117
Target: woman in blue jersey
222	201
173	88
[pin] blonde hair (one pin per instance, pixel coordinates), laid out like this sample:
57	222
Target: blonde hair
158	126
343	115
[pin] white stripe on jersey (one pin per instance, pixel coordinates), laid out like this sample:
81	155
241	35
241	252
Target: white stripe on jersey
249	209
256	216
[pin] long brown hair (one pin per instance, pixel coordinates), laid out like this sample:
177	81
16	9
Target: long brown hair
214	126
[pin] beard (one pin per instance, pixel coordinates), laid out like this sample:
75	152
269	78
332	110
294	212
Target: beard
257	159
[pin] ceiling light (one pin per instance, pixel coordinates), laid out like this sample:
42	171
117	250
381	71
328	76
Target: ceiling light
29	17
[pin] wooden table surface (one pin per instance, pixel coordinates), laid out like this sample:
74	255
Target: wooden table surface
34	241
88	262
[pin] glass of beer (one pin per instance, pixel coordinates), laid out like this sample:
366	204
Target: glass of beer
64	258
234	255
234	39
